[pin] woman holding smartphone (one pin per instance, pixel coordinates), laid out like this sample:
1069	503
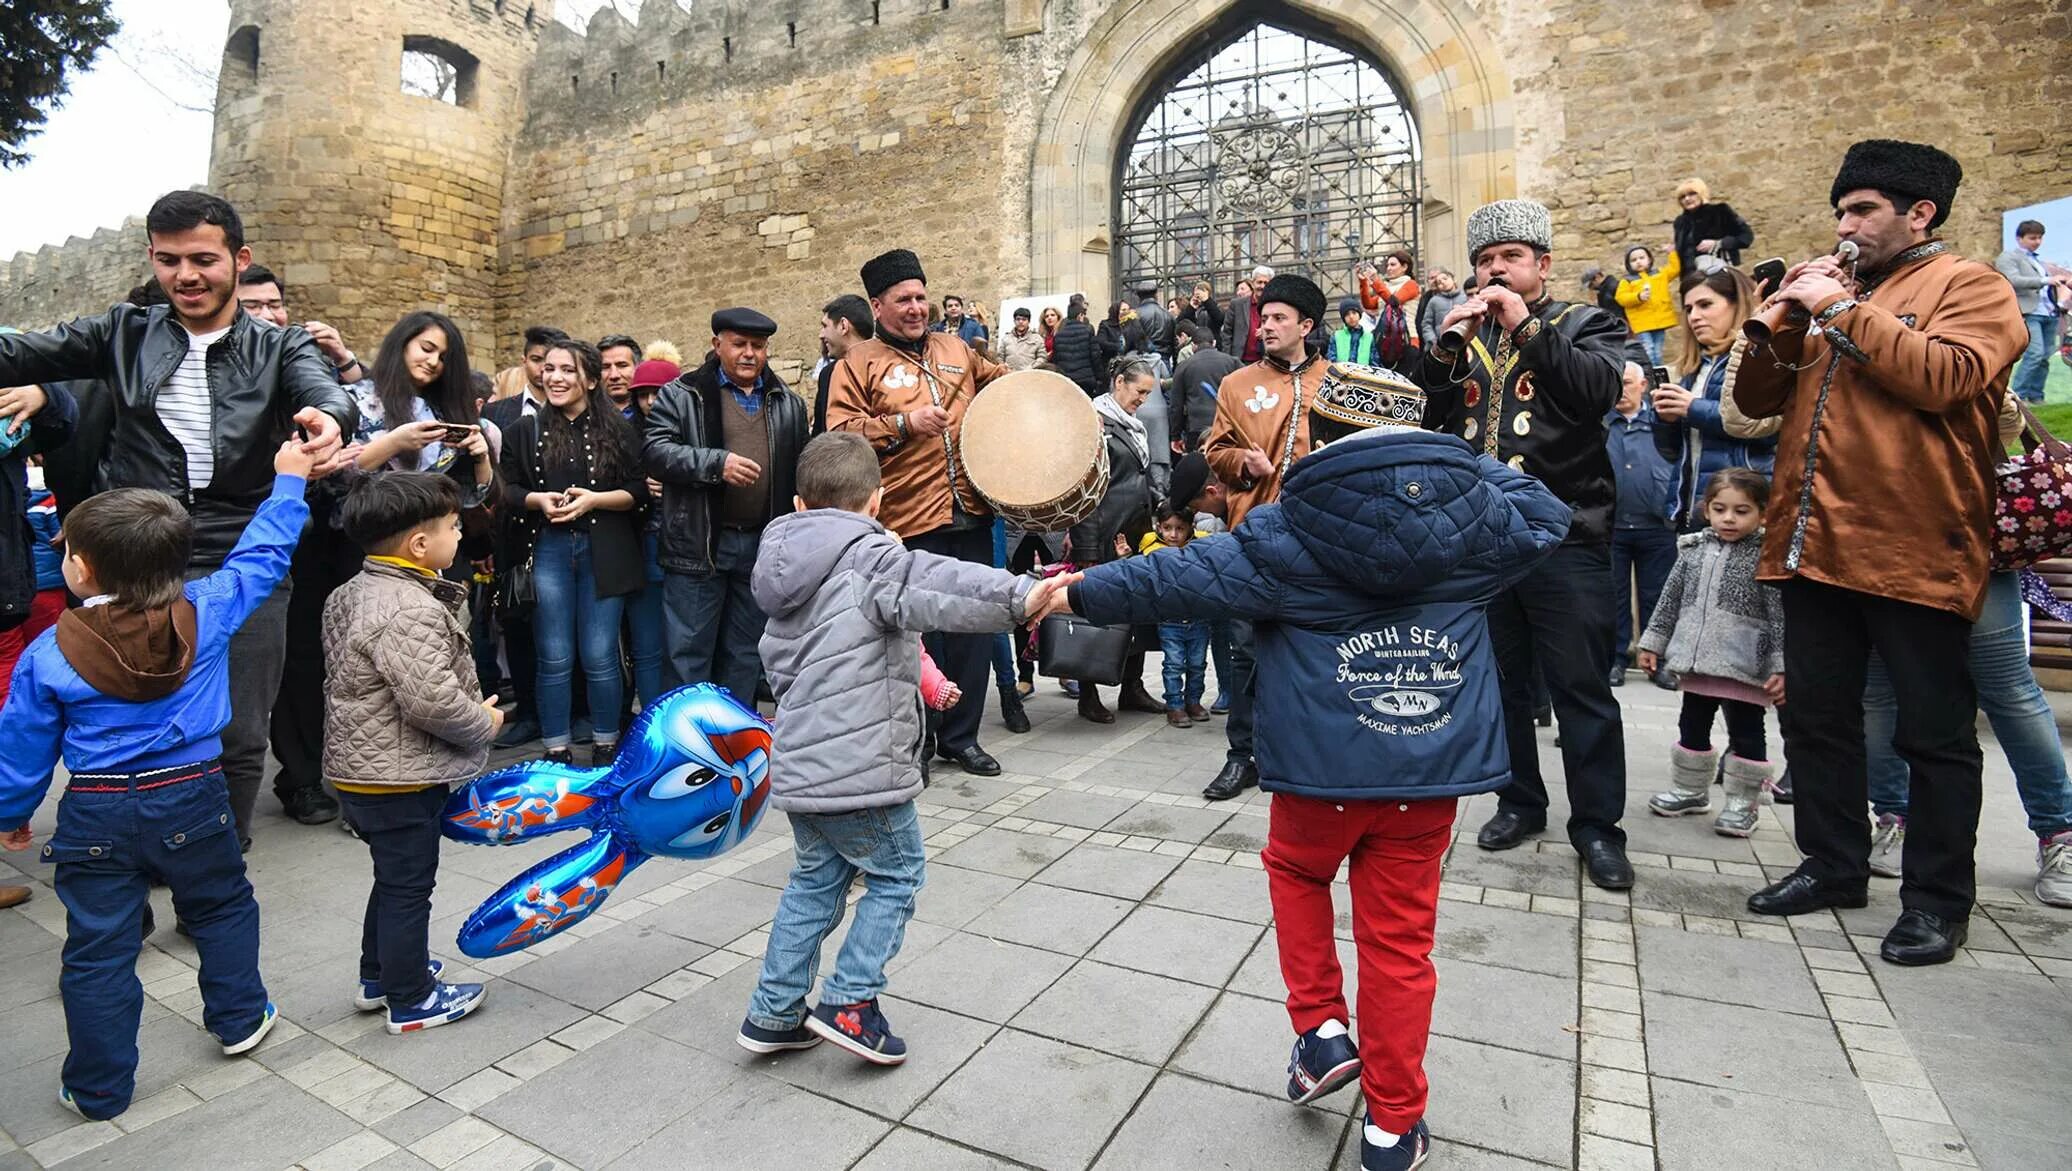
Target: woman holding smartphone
417	409
572	473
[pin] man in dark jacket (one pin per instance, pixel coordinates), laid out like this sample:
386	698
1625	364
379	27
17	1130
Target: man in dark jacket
1157	323
844	321
1076	352
1531	386
1193	392
724	441
204	396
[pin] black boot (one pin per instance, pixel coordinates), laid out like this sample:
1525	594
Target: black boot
1135	697
1011	711
1090	706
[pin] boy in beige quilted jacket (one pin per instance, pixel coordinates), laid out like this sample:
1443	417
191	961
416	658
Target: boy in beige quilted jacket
403	719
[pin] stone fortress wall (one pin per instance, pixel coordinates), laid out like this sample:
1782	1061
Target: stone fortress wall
641	173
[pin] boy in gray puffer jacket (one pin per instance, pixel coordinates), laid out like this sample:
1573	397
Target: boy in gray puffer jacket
846	604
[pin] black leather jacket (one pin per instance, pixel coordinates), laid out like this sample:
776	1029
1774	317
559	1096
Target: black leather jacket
684	450
259	377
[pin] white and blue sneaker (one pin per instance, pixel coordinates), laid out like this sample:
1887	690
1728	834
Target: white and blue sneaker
757	1039
370	998
249	1043
1321	1063
66	1100
447	1004
1402	1154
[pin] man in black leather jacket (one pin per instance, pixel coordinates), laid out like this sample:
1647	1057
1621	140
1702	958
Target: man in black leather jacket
242	395
1530	385
724	441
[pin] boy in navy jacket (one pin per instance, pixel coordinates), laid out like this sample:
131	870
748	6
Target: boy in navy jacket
1378	708
132	689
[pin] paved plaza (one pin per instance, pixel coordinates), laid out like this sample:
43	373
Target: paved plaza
1091	981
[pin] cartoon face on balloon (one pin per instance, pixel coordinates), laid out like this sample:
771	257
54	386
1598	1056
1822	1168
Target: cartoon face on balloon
692	780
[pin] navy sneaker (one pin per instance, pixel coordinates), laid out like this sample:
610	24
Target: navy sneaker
370	999
450	1002
251	1040
1321	1065
757	1039
1409	1151
861	1029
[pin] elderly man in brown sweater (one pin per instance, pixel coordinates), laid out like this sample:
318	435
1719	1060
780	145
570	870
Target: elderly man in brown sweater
1888	380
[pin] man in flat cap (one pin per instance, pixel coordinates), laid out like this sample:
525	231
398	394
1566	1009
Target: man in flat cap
1529	379
1881	528
724	442
906	391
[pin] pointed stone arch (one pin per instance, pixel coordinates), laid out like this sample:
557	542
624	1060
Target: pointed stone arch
1445	61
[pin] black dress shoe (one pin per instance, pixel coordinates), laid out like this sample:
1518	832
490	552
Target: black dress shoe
1135	699
974	760
1617	678
1798	892
1663	679
310	806
1012	713
1506	830
1607	864
1780	790
1543	716
1236	777
1921	938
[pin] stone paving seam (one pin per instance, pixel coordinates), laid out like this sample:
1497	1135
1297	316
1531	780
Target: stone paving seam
1615	1118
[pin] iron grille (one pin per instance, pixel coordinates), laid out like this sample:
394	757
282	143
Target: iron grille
1275	149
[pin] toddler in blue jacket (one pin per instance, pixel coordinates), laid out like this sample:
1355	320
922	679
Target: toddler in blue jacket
1377	708
132	690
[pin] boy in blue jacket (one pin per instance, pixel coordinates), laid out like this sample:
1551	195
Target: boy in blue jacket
132	689
1378	708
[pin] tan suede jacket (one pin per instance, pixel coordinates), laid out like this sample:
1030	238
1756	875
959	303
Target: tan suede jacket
875	386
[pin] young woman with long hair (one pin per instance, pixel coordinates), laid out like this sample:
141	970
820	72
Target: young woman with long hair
1709	348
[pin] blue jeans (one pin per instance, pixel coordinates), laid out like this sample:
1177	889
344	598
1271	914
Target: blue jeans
116	832
1651	341
2013	703
401	830
713	622
570	618
2035	367
1648	554
647	641
828	851
1185	646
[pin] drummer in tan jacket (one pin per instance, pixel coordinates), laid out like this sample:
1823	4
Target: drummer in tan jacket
906	391
1262	410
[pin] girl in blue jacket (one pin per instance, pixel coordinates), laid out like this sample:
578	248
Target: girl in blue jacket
1378	707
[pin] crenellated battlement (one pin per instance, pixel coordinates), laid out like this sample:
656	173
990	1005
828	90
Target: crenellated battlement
60	281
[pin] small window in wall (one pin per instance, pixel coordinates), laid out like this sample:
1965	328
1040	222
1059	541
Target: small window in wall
438	69
242	50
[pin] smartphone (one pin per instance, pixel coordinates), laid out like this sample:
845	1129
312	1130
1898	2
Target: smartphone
1658	376
1768	275
459	432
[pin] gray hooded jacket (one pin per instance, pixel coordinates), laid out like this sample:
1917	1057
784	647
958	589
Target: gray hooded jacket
846	603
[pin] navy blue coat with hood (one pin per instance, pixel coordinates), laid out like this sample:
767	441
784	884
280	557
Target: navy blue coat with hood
1367	584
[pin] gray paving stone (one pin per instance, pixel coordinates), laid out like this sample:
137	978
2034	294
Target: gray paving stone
1246	835
1506	1007
938	1044
715	915
1051	917
411	1123
275	1124
1004	852
961	790
606	1100
1458	1156
512	1017
1702	1127
1260	974
1184	1125
640	954
1085	810
1105	870
1540	874
953	896
1736	1047
2040	931
1691	892
709	1017
1035	1100
771	872
1975	1004
1179	944
1209	888
1726	970
169	1048
986	978
1171	823
1115	1010
1500	1099
780	1125
1243	1042
2007	1095
398	1161
911	1150
1507	938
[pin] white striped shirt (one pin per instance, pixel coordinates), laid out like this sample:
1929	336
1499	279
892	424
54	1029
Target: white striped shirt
188	411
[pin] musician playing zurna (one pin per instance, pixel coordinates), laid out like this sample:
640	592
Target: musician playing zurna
906	391
1529	379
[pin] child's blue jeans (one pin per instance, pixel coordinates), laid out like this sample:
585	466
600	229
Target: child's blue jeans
829	850
1185	646
116	831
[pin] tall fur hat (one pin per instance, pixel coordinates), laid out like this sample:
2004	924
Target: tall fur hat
1510	221
887	269
1296	292
1912	169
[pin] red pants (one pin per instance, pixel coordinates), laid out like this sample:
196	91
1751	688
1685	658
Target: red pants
44	610
1395	847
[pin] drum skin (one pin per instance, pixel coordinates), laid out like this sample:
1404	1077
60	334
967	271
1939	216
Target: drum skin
1031	445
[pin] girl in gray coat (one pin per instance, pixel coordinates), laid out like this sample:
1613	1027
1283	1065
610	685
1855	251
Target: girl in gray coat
1722	633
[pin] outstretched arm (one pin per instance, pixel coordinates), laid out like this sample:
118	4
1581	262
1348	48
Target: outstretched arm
1210	578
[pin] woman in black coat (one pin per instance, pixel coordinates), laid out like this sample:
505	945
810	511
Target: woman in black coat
1119	523
1076	352
1705	228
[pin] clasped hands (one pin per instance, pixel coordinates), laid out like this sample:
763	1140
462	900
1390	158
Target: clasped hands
1047	597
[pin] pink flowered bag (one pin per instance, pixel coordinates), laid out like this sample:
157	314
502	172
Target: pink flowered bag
2032	516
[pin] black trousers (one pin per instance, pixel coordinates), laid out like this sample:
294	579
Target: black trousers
402	833
324	560
1237	727
1745	737
967	659
1829	633
1560	621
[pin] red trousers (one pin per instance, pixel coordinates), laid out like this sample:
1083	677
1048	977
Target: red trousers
1395	847
44	610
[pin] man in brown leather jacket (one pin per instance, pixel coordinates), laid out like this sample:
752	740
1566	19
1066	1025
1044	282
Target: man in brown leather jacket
1888	381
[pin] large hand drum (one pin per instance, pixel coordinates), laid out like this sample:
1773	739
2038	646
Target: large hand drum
1032	446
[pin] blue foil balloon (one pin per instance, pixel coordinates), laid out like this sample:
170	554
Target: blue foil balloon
692	779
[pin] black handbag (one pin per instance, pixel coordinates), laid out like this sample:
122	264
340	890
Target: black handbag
1070	647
